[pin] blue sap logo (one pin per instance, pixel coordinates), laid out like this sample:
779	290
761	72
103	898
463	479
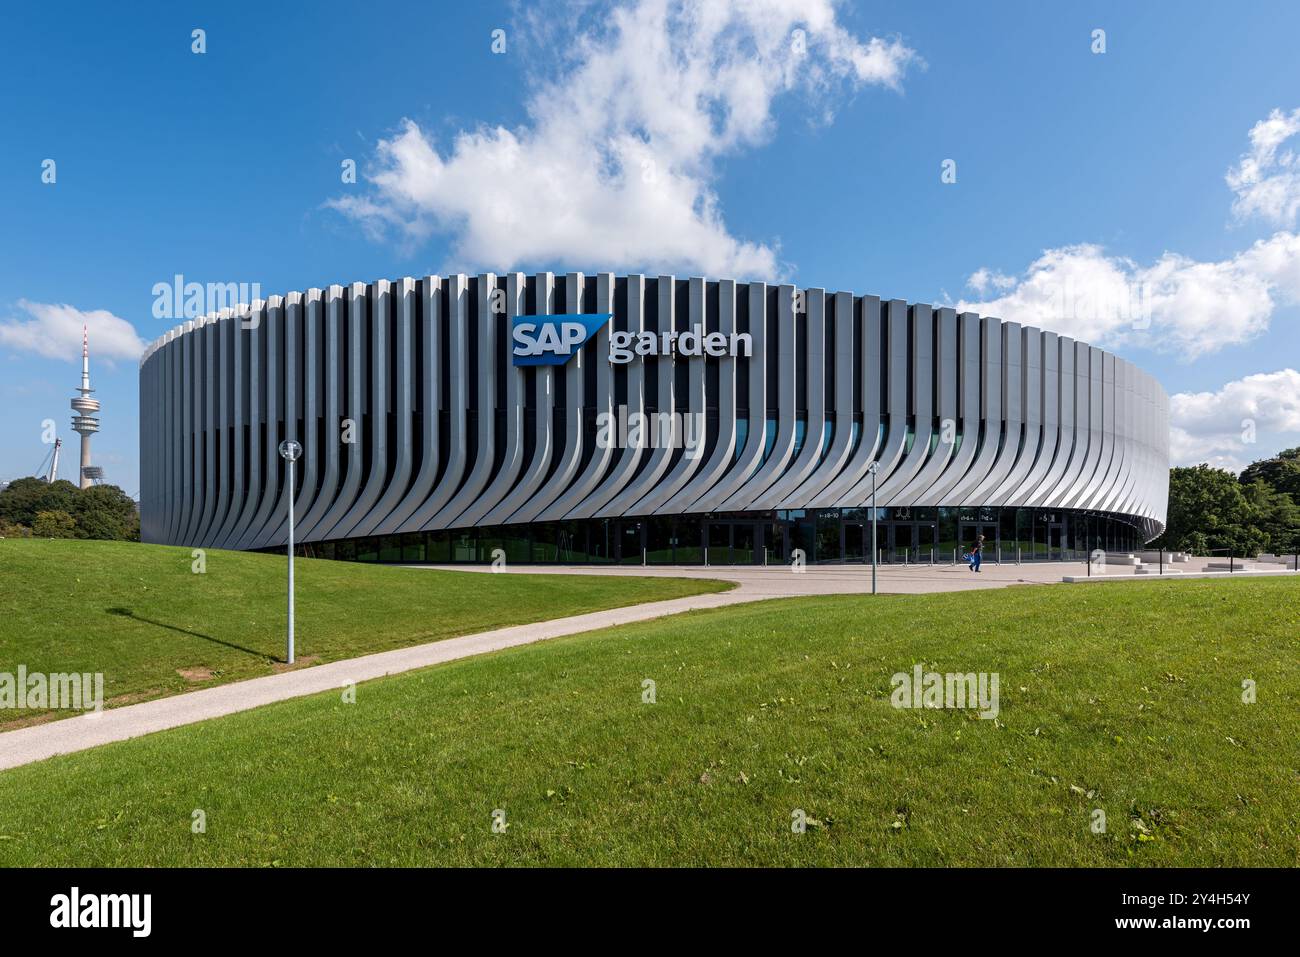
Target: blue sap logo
552	340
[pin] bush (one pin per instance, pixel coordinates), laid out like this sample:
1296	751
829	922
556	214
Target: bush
14	530
54	523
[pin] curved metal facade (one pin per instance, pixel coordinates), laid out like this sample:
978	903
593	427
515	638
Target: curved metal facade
413	417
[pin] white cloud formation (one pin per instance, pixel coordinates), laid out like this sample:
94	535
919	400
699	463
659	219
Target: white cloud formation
53	330
1220	428
1175	304
616	162
983	279
1266	181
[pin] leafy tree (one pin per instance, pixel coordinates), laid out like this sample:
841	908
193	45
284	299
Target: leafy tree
1276	515
1210	509
54	523
101	511
26	496
1208	503
1280	473
105	511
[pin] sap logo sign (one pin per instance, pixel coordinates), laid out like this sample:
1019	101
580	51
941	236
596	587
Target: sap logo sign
552	340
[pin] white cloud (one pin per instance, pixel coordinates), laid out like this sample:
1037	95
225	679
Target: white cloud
982	280
1266	181
1220	428
54	331
616	163
1175	304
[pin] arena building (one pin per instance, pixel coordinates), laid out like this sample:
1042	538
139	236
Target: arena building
601	418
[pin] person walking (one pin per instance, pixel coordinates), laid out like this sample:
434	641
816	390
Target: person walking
975	553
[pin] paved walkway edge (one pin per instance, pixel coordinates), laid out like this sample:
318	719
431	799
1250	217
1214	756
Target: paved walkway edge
42	741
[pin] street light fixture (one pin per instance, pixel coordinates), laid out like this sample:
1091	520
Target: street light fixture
873	468
290	452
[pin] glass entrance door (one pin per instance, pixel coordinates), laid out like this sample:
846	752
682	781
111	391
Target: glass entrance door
857	542
926	539
902	542
746	544
629	543
1056	543
718	543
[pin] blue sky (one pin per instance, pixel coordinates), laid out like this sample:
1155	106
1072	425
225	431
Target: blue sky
821	168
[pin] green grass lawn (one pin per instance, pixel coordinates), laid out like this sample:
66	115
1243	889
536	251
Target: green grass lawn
1124	698
139	614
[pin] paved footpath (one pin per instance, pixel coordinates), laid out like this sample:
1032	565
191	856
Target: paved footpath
41	741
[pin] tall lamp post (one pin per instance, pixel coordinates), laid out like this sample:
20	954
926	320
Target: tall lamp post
290	451
873	468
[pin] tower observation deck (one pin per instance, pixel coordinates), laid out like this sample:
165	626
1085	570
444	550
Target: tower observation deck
86	420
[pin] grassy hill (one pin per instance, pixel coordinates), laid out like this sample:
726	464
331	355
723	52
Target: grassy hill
143	617
1120	698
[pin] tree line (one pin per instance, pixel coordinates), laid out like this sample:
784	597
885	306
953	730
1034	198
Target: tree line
1212	510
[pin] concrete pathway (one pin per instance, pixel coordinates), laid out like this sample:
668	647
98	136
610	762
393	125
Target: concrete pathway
41	741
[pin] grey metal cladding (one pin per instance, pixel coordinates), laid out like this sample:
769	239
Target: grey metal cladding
485	433
1031	405
1094	422
627	460
916	407
523	501
688	442
429	387
871	317
1064	410
894	371
1010	433
750	454
273	472
944	411
482	511
779	455
332	398
583	502
840	414
312	367
724	443
445	487
392	487
987	424
1049	407
369	333
812	371
569	488
661	454
956	410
